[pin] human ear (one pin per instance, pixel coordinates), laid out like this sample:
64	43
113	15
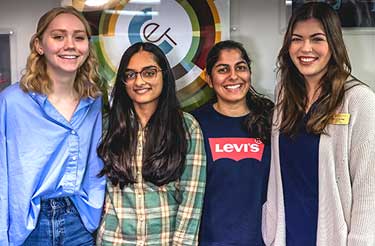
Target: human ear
208	80
38	47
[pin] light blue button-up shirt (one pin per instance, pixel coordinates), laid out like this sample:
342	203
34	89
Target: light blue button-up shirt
42	155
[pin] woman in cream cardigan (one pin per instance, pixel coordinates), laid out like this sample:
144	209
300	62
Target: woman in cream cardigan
322	179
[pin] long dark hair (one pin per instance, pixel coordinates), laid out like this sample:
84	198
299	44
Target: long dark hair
166	144
293	94
258	121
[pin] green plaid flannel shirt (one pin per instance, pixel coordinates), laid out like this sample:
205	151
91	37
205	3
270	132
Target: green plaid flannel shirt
146	214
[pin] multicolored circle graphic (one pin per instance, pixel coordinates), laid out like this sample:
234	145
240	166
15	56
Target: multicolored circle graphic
184	29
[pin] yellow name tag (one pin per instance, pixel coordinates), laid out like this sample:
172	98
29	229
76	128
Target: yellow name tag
340	119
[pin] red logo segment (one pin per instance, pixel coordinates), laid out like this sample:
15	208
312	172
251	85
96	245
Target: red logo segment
236	148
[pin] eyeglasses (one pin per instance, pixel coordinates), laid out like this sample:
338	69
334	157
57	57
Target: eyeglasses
148	74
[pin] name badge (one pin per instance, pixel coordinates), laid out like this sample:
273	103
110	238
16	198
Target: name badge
340	119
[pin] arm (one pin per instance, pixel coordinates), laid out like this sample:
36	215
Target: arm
4	222
361	231
192	185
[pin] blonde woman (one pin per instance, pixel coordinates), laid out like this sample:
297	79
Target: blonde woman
50	125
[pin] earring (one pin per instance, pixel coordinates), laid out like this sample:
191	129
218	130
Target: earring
40	52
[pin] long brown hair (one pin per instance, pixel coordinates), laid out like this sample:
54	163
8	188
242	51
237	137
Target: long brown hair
293	93
35	77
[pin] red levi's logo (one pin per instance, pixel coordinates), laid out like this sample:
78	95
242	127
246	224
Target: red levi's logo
236	148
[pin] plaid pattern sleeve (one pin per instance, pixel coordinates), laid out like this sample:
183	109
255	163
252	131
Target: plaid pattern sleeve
192	186
146	214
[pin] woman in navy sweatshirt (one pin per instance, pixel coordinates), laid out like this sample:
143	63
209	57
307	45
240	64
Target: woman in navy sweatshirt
236	129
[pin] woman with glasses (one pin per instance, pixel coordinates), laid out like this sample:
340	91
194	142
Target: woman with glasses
236	129
154	157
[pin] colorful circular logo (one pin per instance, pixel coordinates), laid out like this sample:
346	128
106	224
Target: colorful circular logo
185	30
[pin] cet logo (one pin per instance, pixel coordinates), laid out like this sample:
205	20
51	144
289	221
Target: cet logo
185	30
236	148
147	33
140	30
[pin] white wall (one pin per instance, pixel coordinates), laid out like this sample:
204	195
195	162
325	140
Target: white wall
256	24
259	25
361	48
21	17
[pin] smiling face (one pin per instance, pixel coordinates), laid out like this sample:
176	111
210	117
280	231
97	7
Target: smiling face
309	49
64	44
230	78
144	93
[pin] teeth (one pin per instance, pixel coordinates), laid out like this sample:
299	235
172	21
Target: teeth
232	86
305	59
142	90
69	57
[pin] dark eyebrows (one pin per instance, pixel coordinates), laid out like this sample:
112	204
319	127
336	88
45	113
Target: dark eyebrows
318	34
222	65
227	65
147	67
313	35
297	35
241	62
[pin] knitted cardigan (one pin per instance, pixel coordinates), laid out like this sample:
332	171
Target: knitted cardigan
346	214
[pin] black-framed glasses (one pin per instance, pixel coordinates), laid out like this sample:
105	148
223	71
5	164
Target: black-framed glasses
148	74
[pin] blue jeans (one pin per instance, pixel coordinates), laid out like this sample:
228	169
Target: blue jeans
58	224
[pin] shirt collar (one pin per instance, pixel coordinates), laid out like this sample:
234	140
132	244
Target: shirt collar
41	99
84	102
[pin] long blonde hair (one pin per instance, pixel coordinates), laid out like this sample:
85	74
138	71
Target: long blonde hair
35	77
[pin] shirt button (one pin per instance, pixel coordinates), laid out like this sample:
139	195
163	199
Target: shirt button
74	158
73	132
